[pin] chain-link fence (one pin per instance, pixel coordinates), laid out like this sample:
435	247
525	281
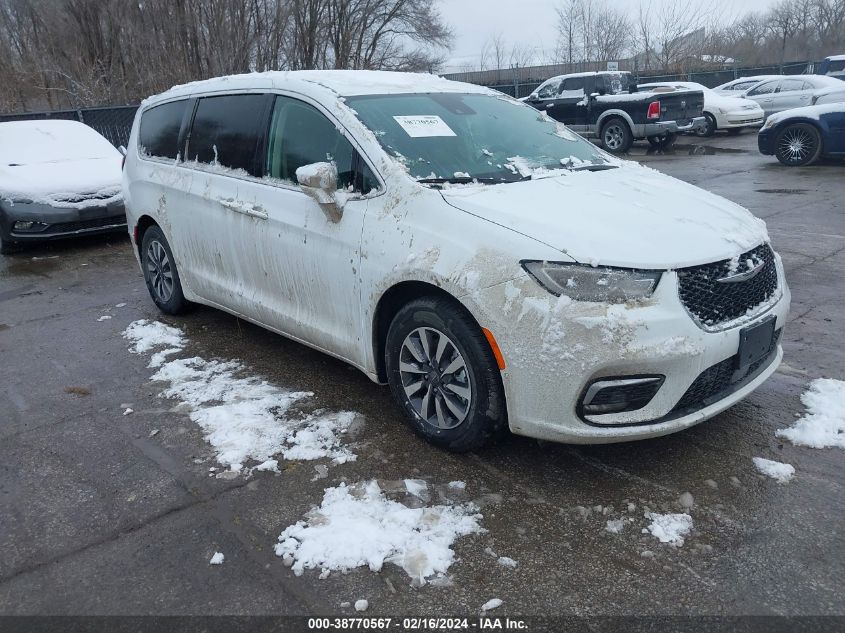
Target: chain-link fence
114	123
521	82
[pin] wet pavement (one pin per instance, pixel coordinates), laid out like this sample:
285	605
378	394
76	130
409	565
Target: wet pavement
99	515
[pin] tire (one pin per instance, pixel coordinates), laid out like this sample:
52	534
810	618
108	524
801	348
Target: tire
710	128
465	408
160	273
735	131
798	144
616	136
664	141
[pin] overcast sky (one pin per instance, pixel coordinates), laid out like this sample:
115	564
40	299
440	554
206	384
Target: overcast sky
527	22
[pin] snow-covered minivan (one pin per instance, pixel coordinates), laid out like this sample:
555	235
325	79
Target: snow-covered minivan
492	267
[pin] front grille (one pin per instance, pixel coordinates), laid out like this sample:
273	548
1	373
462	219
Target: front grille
713	303
718	381
85	225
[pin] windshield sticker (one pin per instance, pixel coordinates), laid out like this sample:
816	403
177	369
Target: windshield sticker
424	125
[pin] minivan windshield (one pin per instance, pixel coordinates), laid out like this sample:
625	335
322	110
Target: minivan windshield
450	137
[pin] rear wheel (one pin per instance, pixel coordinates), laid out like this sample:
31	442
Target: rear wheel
663	141
160	273
798	144
710	126
443	375
616	136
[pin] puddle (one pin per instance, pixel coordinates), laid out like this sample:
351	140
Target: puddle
692	149
783	191
32	266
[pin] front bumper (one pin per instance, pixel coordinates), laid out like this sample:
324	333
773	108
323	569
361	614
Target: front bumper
764	142
54	222
555	348
670	127
752	118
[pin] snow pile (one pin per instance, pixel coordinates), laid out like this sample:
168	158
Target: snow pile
669	528
824	423
243	417
491	604
217	559
776	470
358	526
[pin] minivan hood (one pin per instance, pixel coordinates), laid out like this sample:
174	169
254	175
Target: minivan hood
632	216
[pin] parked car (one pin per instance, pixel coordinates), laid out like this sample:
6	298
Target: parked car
58	179
722	113
741	85
835	94
833	66
800	136
494	268
606	105
792	91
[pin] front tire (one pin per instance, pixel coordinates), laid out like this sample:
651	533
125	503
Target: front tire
160	273
443	375
798	144
616	136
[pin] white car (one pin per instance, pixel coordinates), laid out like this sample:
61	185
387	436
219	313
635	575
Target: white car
494	268
58	179
793	91
722	113
741	85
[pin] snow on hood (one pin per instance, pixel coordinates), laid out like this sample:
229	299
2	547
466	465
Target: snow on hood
52	161
632	216
807	112
63	184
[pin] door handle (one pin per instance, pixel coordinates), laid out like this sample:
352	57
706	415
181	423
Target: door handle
245	208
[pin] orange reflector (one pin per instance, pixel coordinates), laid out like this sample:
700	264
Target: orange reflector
497	353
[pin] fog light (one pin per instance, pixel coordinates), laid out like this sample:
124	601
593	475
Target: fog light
617	395
28	227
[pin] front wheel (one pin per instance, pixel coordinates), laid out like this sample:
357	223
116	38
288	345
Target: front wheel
443	375
798	144
663	141
160	273
616	136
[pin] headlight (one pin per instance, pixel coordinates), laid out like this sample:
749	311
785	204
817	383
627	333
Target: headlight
588	283
769	123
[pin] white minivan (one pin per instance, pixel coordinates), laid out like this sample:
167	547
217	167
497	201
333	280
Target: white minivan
492	267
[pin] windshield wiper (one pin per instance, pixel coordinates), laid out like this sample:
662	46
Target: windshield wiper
463	180
600	167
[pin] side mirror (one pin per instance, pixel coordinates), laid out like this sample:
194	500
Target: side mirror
319	180
533	96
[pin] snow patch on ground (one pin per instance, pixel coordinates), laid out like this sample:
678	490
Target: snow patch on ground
776	470
823	425
217	559
669	528
491	604
358	526
243	417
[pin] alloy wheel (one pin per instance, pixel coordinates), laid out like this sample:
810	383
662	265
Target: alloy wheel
435	378
614	136
796	145
160	271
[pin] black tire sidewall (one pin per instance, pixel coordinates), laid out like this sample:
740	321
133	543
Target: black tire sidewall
810	159
711	126
177	304
629	137
487	417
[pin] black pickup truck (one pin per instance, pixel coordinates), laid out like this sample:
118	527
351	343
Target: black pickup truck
607	106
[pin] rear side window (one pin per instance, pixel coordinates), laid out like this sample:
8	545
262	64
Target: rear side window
573	87
159	133
300	135
226	131
836	66
549	90
792	84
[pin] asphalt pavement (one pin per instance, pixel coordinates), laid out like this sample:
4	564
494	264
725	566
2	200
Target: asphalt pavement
102	513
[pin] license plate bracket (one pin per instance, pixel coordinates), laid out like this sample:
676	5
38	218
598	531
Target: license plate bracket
755	342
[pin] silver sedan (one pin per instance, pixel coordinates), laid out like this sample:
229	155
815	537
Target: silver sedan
791	91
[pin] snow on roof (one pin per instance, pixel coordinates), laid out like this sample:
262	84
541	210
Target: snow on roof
813	112
345	83
835	58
